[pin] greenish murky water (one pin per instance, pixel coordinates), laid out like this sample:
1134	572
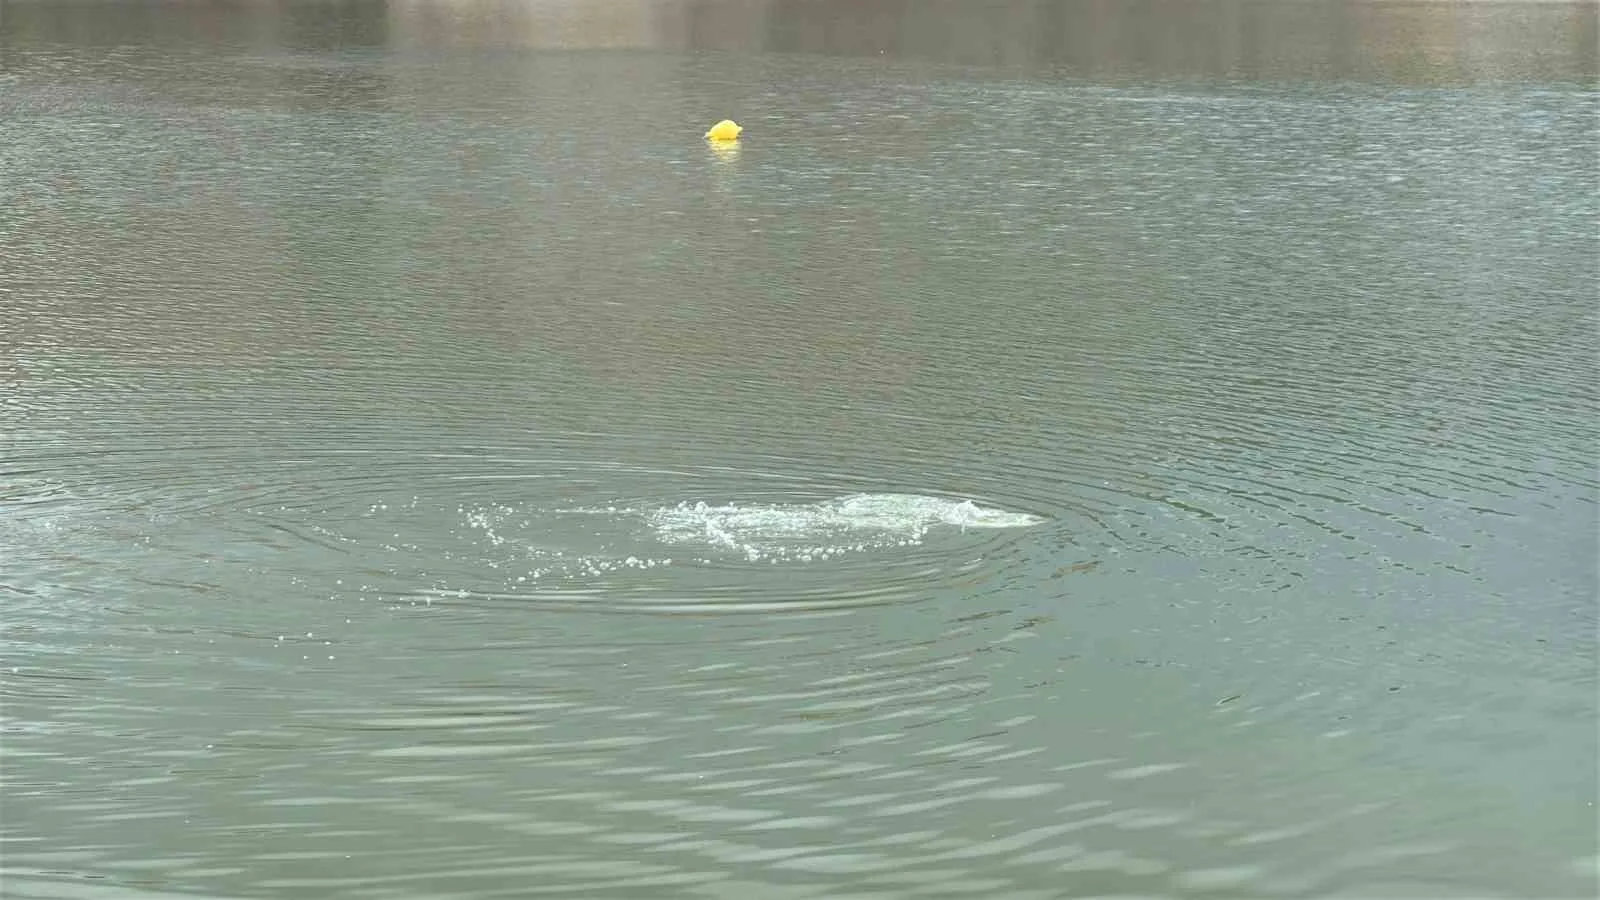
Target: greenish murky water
1062	450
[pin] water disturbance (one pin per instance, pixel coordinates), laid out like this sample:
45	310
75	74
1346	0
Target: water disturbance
1058	450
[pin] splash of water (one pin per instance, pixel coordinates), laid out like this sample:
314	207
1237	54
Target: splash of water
808	531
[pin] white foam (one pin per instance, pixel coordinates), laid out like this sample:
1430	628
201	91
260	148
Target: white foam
885	508
807	531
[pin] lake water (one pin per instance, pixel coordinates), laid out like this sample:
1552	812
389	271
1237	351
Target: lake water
1064	449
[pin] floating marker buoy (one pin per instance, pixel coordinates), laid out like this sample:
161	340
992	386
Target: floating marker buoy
726	130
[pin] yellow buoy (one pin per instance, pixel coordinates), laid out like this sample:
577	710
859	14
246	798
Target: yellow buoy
726	130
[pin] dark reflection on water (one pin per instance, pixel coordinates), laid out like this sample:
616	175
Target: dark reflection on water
1412	43
428	469
1405	42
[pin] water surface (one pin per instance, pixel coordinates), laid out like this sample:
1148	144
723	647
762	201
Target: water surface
1062	450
